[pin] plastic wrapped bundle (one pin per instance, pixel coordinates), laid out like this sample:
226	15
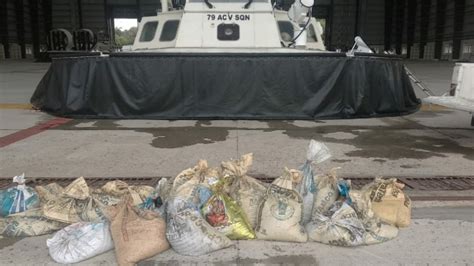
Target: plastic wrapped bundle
224	214
156	201
18	199
80	241
317	152
280	211
190	234
28	223
339	226
245	190
74	205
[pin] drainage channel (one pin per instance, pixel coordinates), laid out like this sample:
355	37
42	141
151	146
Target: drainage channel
417	187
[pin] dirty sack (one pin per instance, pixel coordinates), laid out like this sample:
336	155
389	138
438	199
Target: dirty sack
327	191
156	201
117	189
389	202
80	241
245	190
28	223
224	214
49	192
19	198
376	231
317	153
137	234
188	232
74	205
339	226
192	184
279	216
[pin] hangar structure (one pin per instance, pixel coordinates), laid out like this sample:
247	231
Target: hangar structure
417	29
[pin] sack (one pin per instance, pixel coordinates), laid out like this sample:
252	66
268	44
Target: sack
326	192
199	174
376	230
137	234
118	189
317	152
192	184
74	205
188	233
19	198
28	223
49	192
245	190
389	202
224	214
80	241
279	216
339	226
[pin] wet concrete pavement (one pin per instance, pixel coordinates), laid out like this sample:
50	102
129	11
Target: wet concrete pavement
433	142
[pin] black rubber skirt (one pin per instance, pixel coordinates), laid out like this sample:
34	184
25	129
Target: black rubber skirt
225	86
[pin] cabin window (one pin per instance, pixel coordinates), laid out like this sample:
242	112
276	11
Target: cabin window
148	31
286	30
169	30
311	34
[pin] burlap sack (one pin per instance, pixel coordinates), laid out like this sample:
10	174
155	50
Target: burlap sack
339	226
376	230
279	216
245	190
389	202
75	204
28	223
199	174
192	184
137	234
49	192
188	233
326	192
224	214
118	189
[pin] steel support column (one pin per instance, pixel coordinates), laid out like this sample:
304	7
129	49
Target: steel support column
4	27
79	13
20	26
388	24
459	13
139	10
424	23
34	26
439	27
399	25
411	24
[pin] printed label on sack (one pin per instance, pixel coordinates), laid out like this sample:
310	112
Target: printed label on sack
281	210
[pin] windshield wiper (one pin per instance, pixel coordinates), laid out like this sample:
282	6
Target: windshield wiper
208	4
248	4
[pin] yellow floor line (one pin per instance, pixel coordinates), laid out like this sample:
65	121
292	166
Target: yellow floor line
432	107
22	106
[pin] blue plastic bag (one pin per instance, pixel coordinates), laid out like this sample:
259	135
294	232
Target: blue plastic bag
19	198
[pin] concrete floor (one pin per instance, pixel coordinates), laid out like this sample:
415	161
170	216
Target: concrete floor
433	142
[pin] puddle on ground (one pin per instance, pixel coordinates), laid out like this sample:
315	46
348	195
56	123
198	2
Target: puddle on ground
379	141
176	137
382	142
